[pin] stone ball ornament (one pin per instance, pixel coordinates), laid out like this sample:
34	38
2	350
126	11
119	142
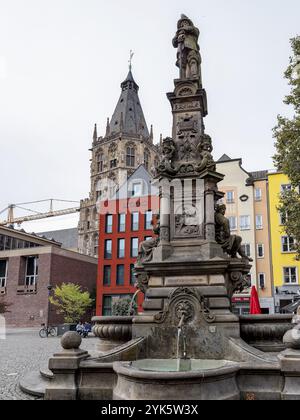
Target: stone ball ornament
71	341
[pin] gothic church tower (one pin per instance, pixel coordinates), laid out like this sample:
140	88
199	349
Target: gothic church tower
127	144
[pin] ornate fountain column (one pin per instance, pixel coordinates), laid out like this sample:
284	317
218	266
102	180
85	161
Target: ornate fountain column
187	255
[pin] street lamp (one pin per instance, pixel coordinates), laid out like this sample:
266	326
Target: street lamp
49	288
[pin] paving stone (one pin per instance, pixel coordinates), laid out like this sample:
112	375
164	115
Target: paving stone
24	351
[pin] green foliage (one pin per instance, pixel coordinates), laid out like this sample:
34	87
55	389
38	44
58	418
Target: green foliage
4	307
71	302
287	143
122	307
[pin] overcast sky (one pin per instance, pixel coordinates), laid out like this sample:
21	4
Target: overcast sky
62	62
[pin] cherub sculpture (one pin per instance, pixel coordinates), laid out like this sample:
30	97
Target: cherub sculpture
205	149
168	153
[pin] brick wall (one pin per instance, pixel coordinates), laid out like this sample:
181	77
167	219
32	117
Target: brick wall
32	310
27	310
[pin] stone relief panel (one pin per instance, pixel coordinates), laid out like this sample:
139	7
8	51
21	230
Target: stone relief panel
187	221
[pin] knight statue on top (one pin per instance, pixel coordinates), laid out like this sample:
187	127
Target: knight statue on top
188	56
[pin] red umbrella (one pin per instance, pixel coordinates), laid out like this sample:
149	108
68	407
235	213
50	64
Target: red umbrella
254	302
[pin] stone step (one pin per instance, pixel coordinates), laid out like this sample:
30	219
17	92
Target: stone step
34	384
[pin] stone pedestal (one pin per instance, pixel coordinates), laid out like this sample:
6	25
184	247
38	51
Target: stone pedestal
214	281
290	367
64	366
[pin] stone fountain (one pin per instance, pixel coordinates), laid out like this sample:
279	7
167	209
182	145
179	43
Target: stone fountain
187	343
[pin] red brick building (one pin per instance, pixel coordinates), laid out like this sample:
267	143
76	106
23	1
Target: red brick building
28	265
124	223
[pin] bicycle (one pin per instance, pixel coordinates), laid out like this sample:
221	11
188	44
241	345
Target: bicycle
46	331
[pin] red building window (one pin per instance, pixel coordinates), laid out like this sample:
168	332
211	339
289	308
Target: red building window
148	220
107	275
120	275
135	219
109	223
122	222
121	248
134	247
108	249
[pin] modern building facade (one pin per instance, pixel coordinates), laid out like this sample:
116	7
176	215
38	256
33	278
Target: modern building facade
285	266
126	145
246	198
29	266
124	223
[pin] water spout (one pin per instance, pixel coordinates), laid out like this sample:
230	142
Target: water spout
130	310
183	362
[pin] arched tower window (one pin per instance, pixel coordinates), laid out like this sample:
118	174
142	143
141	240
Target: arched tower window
100	162
130	157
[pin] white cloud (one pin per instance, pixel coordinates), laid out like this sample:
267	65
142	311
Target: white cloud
3	68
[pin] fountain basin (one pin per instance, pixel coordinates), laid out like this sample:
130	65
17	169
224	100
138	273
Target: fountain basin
171	365
159	380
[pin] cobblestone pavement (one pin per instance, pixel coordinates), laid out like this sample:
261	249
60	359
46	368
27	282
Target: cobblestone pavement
24	351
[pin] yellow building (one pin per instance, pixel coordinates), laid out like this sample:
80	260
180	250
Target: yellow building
284	265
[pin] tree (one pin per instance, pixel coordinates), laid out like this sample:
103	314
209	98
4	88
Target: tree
124	307
4	307
71	302
287	143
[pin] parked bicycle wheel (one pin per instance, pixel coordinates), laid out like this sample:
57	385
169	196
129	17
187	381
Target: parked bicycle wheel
43	333
52	332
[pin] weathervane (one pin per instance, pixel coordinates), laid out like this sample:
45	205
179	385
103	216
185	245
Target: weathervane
130	59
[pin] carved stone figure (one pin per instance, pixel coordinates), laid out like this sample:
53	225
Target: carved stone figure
168	153
187	223
231	244
146	248
188	56
205	149
238	282
142	282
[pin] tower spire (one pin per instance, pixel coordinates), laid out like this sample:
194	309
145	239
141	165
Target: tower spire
151	134
130	60
107	128
95	135
128	116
